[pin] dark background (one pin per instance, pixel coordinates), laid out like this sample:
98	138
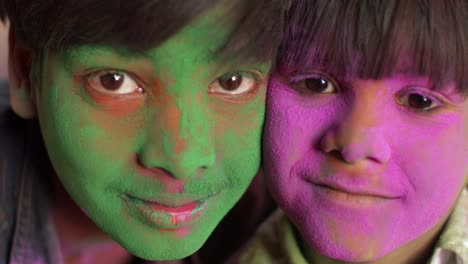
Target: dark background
3	51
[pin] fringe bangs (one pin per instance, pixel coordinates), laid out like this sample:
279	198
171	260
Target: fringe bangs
372	39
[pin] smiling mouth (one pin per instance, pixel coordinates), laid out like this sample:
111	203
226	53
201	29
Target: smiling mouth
357	194
167	215
352	197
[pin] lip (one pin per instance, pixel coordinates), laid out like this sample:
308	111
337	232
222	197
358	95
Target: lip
167	214
353	199
356	190
351	191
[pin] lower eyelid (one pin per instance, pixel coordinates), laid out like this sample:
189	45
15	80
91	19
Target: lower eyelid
420	111
240	98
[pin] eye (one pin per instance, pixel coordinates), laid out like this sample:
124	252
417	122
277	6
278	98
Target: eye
314	83
114	82
236	83
418	101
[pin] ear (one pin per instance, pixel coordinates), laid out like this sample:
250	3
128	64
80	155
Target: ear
22	96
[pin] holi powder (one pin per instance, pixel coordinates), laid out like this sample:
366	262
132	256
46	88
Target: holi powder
170	183
360	176
169	148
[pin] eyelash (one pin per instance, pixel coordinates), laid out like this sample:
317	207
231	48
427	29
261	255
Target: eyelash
299	78
89	74
92	73
407	92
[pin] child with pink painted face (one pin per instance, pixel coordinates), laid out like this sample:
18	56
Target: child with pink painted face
366	136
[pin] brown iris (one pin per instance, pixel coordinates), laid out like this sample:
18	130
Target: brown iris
317	85
230	82
419	102
112	81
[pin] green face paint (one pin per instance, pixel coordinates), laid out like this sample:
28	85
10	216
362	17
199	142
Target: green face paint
155	147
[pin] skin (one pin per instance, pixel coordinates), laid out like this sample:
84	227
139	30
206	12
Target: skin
364	175
170	135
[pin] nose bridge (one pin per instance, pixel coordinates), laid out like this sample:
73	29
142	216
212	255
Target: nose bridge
183	132
359	133
174	124
364	111
358	125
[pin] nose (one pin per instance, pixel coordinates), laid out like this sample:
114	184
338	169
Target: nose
178	138
359	135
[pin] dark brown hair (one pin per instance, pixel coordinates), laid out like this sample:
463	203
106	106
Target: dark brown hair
371	39
139	24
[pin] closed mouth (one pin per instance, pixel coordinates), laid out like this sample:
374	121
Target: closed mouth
165	213
355	185
173	201
357	192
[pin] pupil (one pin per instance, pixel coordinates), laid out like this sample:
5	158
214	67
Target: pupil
112	81
419	101
317	84
231	83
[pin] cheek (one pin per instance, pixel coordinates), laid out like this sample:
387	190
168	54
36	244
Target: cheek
111	134
294	128
236	132
285	129
235	123
434	159
81	138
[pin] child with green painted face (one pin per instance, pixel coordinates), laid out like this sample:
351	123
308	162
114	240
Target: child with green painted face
150	113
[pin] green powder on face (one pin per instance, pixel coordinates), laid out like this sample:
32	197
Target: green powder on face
209	144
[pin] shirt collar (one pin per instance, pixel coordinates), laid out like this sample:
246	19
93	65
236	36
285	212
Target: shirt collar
452	246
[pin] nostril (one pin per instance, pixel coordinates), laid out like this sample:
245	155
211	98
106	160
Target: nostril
337	155
164	177
328	142
151	170
171	169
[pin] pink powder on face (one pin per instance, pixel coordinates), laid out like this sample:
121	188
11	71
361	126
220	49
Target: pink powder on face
359	174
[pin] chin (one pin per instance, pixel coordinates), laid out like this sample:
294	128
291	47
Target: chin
174	251
360	248
343	253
